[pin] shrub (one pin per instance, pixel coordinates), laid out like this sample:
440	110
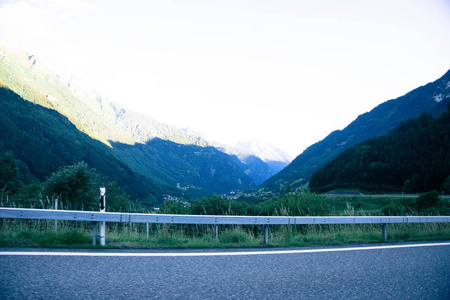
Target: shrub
427	200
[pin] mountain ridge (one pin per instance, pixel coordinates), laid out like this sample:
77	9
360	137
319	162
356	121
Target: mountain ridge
380	120
411	158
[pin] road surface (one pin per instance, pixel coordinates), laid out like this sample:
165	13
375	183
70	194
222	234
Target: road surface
391	271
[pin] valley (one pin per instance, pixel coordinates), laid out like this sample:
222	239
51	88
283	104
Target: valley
152	162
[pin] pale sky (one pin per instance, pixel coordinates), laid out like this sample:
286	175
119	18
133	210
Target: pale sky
275	71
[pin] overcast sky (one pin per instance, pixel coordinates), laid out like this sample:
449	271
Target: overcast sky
276	71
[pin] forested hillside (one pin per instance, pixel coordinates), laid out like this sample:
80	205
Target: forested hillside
196	170
432	98
42	141
413	158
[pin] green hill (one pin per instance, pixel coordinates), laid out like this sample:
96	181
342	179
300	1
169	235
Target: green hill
413	158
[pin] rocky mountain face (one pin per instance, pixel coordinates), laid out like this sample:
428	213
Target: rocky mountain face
432	98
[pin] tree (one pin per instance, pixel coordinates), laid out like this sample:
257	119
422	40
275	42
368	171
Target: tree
78	186
446	186
116	199
414	184
9	174
75	185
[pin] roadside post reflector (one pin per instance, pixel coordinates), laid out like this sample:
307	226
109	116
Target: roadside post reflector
102	209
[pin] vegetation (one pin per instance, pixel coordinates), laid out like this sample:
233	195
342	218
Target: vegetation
412	158
20	233
41	233
9	174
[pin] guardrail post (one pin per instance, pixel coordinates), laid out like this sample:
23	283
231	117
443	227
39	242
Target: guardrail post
266	234
94	234
384	231
102	209
217	232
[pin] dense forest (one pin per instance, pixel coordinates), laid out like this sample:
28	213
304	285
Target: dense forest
413	158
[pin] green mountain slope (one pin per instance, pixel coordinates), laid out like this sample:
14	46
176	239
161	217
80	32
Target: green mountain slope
414	157
43	141
99	117
432	98
194	169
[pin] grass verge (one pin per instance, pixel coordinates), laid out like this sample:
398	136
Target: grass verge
40	233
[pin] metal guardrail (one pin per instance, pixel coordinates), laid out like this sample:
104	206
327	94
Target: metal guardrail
45	214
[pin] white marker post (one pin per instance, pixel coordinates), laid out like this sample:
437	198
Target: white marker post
56	208
102	209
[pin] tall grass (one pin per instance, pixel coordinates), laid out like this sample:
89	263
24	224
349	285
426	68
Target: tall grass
41	233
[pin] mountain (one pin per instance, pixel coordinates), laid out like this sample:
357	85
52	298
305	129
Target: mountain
266	152
412	158
433	98
106	121
43	140
180	162
93	114
259	161
193	169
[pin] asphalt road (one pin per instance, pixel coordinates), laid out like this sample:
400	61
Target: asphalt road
416	272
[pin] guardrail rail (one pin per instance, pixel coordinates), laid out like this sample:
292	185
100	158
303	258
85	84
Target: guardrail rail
46	214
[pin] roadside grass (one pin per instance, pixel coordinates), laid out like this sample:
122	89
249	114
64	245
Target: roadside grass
70	234
40	233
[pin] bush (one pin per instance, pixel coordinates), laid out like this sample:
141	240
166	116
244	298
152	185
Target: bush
217	205
305	204
427	200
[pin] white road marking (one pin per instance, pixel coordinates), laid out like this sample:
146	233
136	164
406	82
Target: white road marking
184	254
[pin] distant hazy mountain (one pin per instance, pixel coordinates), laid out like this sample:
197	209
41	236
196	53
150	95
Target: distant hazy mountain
266	152
259	161
432	98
